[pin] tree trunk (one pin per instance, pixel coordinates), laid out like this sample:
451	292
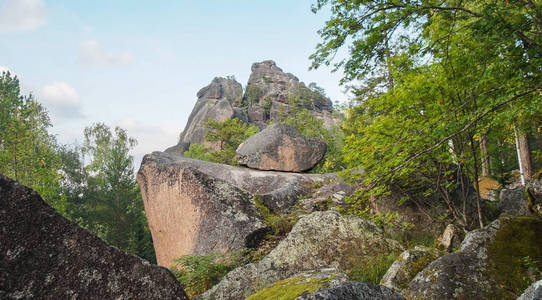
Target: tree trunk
524	156
486	163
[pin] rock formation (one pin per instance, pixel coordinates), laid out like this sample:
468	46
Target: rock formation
43	255
195	207
533	292
318	240
282	148
486	267
268	95
353	290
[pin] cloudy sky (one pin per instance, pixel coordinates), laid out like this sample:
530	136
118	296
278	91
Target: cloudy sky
139	64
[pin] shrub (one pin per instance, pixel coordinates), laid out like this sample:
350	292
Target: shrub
372	271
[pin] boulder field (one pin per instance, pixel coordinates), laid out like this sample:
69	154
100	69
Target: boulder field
45	256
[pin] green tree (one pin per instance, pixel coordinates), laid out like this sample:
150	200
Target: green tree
27	150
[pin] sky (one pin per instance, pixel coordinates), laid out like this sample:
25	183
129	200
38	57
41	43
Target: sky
139	64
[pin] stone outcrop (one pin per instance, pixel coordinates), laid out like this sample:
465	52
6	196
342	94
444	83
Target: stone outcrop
533	292
409	263
267	98
450	239
195	207
45	256
486	267
318	240
353	290
282	148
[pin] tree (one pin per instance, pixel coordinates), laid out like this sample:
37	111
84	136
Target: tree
27	150
114	207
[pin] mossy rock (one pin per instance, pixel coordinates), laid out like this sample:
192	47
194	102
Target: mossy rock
517	239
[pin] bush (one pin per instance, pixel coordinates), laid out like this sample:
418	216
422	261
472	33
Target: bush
372	271
198	273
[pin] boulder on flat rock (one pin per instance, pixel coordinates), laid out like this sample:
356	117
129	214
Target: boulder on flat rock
486	267
195	207
533	292
407	265
45	256
353	290
318	240
282	148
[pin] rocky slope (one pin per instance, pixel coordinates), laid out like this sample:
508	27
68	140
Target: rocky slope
268	94
195	207
45	256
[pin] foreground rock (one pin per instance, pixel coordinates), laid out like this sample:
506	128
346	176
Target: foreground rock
318	240
409	263
43	255
353	290
486	267
533	292
195	207
282	148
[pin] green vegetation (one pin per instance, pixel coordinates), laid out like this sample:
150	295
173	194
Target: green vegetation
198	273
515	254
93	185
252	95
372	271
291	288
451	88
227	136
280	225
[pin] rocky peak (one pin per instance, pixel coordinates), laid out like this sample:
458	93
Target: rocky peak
222	88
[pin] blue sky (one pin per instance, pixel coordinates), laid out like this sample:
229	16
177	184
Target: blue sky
139	64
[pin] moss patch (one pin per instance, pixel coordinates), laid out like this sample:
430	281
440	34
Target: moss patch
517	239
291	288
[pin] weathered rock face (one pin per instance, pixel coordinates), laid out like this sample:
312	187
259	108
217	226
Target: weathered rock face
266	99
215	101
353	290
317	240
282	148
409	263
43	255
534	292
486	267
195	207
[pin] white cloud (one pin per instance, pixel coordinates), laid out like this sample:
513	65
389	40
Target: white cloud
92	54
21	15
62	99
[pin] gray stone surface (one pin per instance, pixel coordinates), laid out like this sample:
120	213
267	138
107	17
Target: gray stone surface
282	148
353	290
195	207
407	265
450	239
318	240
45	256
533	292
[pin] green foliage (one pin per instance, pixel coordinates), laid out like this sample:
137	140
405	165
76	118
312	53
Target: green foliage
280	225
198	151
198	273
372	271
27	150
252	95
310	126
291	288
517	239
227	135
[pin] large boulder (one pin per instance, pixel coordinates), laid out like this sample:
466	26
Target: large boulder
43	255
195	207
282	148
407	265
487	265
318	240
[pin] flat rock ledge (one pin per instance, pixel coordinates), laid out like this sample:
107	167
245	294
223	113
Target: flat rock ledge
196	207
45	256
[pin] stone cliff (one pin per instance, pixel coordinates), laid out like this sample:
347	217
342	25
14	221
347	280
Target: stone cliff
268	95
